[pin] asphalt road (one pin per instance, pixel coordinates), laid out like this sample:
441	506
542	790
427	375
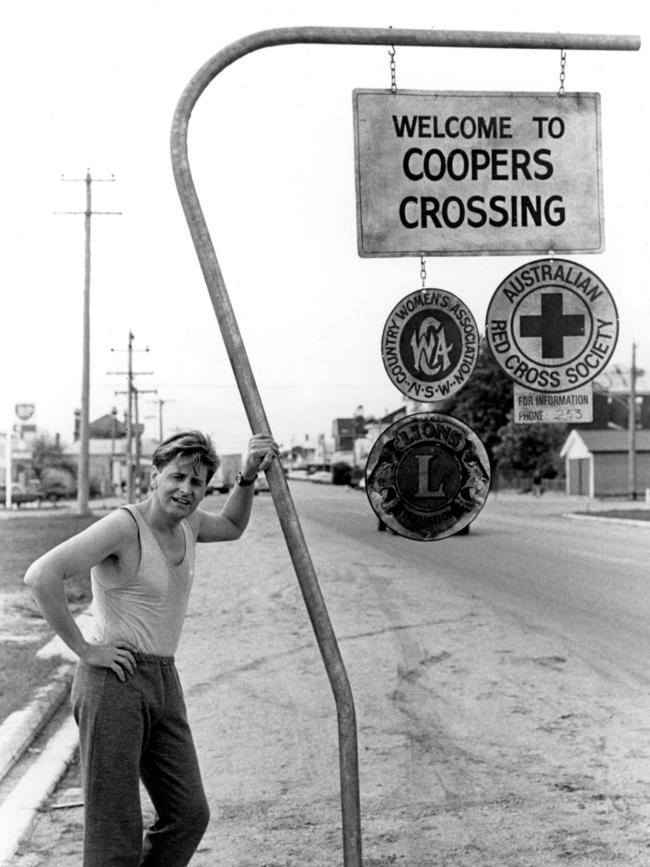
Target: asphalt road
586	581
499	680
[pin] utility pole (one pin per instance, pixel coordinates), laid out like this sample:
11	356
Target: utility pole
138	437
113	437
8	471
631	416
160	402
130	393
84	438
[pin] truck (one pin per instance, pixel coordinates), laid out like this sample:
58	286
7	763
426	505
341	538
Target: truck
224	478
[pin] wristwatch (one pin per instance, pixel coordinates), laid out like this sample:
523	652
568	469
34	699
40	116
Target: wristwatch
242	482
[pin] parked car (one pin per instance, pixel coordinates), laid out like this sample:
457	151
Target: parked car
53	491
20	495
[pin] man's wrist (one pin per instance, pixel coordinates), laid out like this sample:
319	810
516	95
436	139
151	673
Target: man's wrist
82	650
243	482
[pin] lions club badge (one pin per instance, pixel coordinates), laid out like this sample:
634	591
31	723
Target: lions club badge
427	476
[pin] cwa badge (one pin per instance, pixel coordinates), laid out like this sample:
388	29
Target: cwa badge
429	345
427	476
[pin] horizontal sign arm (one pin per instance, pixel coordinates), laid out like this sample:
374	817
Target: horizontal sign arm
382	36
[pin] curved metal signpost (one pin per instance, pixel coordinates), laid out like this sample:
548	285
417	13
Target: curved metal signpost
348	757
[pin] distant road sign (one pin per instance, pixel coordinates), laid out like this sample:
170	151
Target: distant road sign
450	173
429	344
552	325
25	411
427	476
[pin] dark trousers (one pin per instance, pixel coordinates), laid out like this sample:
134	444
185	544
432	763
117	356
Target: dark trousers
132	731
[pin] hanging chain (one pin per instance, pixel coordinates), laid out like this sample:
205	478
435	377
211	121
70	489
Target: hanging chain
393	78
561	91
423	270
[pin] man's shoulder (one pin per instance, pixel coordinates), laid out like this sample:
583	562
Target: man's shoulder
207	526
112	535
120	523
195	520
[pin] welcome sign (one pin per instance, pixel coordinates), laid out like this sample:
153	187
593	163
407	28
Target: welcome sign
477	173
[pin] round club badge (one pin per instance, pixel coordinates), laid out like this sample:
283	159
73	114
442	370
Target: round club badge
429	344
552	325
427	476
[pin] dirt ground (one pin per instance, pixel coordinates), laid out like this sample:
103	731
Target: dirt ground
482	741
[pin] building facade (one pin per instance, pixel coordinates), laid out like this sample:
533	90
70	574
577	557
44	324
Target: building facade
598	463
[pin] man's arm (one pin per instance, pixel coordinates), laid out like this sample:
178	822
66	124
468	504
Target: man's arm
46	577
233	519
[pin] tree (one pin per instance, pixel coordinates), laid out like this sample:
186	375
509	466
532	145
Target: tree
485	404
48	453
485	401
530	449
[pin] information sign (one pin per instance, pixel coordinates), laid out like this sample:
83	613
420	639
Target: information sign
571	407
429	344
427	476
451	173
552	325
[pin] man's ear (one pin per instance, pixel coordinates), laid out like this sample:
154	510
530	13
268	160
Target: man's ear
154	476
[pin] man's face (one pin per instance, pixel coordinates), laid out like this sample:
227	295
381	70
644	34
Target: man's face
180	486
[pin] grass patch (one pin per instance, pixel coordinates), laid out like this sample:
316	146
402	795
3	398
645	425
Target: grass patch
22	674
23	538
625	514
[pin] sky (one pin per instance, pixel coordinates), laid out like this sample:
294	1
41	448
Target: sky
93	85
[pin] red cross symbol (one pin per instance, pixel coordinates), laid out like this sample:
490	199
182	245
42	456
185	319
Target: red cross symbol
552	325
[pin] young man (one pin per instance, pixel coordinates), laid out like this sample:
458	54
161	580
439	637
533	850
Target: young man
126	695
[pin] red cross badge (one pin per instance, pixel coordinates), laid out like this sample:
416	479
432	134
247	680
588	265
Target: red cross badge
552	325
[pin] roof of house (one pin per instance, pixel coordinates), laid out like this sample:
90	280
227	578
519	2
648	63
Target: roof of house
613	440
106	427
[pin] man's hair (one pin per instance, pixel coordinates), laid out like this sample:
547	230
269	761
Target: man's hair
190	444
